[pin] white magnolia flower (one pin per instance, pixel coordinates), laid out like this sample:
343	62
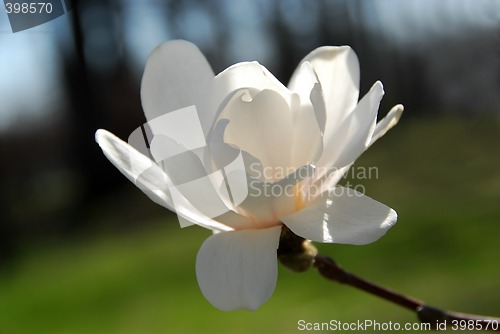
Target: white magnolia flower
293	144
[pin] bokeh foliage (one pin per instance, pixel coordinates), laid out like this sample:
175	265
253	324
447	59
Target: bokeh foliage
441	175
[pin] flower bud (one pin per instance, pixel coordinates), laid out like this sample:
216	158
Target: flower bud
294	252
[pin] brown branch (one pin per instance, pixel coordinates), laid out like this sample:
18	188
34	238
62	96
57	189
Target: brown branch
426	314
299	254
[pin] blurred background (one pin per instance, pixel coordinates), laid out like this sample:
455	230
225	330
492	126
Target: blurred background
83	251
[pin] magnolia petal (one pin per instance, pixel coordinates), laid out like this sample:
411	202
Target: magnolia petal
306	84
318	104
354	134
151	179
181	165
189	215
338	71
303	80
288	196
238	269
307	144
208	192
308	120
220	154
342	216
267	202
181	127
259	204
176	76
138	168
236	221
328	181
260	125
248	75
386	123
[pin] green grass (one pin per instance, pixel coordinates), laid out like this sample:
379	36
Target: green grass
441	175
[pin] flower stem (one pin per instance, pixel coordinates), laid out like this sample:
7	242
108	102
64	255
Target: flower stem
426	314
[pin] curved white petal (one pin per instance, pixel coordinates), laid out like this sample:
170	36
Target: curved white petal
386	123
261	125
176	76
249	75
306	84
307	142
238	269
138	168
338	71
342	216
309	118
151	179
220	154
354	135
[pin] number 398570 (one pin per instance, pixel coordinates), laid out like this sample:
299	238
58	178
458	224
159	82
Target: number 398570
28	8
